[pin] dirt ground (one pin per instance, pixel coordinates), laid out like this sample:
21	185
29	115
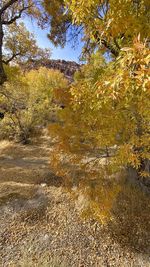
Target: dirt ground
40	224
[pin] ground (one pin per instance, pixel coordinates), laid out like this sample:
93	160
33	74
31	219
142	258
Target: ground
40	223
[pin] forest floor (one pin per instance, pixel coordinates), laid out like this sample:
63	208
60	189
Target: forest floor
40	224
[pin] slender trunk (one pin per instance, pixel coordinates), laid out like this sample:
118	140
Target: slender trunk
2	72
144	163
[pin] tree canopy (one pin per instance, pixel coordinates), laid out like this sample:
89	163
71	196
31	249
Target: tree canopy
104	128
27	101
20	46
10	12
107	24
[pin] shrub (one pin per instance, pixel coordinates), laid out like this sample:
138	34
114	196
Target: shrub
28	102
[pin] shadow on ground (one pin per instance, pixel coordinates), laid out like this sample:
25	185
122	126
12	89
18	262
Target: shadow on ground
23	170
26	164
27	203
131	224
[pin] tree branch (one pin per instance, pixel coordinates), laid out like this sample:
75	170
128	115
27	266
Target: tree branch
11	58
15	17
108	45
8	4
113	50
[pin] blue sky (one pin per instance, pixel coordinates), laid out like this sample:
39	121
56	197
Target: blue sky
67	53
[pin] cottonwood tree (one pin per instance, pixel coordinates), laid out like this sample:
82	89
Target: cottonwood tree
28	100
20	46
10	12
60	22
104	129
106	24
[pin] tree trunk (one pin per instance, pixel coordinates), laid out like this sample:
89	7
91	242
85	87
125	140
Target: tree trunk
3	77
133	177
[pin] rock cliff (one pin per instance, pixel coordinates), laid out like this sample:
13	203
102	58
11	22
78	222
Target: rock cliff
66	67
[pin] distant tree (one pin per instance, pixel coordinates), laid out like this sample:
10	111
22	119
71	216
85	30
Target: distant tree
20	46
28	101
10	12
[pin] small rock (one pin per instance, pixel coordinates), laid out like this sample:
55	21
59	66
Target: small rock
43	185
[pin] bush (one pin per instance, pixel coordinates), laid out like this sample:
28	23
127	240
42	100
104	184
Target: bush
28	102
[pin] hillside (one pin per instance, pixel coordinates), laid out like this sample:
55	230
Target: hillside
68	68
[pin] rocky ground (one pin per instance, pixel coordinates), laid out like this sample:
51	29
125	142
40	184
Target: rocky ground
40	224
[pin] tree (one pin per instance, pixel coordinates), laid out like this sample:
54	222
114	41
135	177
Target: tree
104	129
99	22
60	22
28	101
20	46
10	12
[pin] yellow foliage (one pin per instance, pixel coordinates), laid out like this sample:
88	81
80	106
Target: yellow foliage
104	127
113	17
29	101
